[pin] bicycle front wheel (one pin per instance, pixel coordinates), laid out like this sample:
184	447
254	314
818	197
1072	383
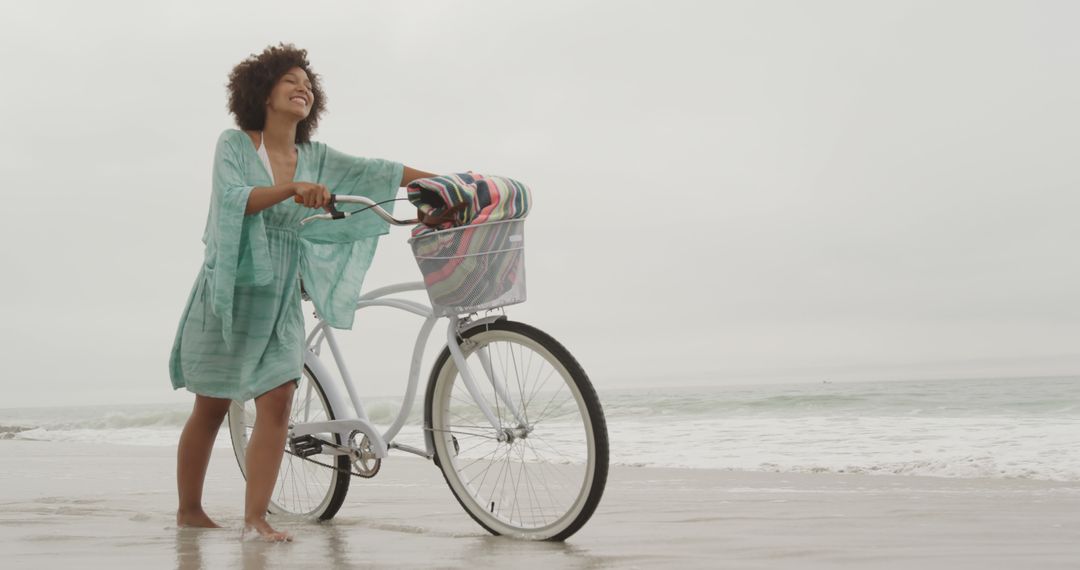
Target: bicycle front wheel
304	488
541	473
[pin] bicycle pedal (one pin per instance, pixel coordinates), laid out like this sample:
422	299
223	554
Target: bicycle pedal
306	445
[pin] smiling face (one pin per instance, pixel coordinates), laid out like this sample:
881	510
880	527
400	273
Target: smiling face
292	94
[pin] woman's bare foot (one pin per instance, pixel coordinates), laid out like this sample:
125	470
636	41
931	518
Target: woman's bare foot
195	519
265	531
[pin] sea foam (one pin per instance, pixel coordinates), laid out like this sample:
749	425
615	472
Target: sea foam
1028	428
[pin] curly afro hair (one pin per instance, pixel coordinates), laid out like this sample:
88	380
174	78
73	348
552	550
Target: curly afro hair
251	81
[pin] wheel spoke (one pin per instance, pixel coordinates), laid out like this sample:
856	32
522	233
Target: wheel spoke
484	458
544	413
547	487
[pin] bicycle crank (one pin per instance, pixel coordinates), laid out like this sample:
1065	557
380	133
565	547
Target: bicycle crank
365	464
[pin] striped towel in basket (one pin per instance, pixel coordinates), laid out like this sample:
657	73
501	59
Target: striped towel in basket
486	199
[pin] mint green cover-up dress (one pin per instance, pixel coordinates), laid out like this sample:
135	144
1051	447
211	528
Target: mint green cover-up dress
242	329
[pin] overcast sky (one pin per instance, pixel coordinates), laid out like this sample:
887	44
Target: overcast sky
725	192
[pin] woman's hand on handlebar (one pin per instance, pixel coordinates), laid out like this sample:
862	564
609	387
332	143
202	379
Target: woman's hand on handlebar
447	215
311	195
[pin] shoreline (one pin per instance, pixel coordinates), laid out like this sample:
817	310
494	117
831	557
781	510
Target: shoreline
647	384
222	447
97	505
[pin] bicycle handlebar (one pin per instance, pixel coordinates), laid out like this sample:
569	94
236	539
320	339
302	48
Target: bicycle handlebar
335	214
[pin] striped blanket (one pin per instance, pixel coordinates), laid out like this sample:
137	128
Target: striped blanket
480	264
485	199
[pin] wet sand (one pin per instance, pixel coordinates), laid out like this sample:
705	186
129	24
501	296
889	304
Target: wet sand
68	505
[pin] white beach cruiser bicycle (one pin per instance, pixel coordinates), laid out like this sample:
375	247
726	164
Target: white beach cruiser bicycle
509	415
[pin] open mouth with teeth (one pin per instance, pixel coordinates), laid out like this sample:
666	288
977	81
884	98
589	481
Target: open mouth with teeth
300	100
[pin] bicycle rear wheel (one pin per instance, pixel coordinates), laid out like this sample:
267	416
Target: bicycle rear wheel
304	488
543	477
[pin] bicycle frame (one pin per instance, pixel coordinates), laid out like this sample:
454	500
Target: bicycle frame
349	411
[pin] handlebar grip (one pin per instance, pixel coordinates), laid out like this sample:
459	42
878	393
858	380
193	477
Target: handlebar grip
333	199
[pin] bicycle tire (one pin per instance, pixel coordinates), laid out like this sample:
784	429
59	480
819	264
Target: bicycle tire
522	341
293	466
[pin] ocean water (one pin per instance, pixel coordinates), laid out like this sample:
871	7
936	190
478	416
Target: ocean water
1020	427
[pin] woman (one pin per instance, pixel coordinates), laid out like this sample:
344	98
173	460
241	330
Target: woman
241	333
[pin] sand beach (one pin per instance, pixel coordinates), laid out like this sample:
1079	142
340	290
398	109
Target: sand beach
75	505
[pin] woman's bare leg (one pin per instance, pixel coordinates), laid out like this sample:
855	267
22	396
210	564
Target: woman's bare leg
193	457
264	452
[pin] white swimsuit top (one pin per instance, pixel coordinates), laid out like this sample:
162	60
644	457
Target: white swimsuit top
265	157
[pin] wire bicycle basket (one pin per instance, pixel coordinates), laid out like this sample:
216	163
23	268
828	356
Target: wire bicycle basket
473	268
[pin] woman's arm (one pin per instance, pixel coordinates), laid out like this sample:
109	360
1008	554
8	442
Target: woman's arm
410	174
263	197
309	194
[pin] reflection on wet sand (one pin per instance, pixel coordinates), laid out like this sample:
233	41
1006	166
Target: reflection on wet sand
189	548
361	542
490	551
327	540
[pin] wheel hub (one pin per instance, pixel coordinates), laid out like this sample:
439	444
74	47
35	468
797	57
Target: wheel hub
519	432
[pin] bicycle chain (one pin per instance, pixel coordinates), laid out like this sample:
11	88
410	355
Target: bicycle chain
327	465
